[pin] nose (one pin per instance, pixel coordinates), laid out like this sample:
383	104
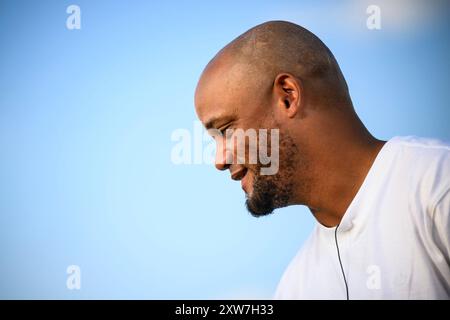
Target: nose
223	158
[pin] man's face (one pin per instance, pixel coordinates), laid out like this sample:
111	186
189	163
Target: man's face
234	114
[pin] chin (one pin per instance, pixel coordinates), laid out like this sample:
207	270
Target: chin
258	208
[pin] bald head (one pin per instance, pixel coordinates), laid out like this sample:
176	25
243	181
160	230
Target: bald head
280	46
254	59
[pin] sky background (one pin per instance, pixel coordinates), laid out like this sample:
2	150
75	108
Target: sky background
86	118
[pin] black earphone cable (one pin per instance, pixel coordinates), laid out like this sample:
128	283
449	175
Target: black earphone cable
340	262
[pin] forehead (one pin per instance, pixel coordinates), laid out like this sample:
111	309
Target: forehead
219	92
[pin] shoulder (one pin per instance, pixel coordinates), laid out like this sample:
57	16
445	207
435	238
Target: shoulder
420	147
421	173
424	164
414	145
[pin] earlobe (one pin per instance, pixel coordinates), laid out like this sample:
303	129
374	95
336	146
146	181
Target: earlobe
287	92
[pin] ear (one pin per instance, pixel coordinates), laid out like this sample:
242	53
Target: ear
287	92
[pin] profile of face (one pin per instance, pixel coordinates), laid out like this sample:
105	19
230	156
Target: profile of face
228	108
278	76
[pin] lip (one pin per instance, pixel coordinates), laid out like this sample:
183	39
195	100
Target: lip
241	175
244	182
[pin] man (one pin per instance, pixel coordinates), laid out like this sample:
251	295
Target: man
382	207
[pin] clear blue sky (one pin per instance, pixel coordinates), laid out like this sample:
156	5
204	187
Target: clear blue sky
86	118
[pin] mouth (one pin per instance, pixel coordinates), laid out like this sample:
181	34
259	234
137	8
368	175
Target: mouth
241	175
244	182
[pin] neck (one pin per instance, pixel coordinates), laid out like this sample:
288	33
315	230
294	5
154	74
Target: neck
343	158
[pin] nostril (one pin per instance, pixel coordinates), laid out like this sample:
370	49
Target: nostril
238	174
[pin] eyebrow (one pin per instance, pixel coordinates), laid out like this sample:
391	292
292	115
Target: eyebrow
214	121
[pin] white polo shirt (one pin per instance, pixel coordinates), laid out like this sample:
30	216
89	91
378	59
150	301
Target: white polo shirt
394	238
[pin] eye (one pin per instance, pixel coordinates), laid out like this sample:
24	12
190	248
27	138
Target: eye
224	130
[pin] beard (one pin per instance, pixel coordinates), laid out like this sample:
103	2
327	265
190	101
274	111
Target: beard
274	191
